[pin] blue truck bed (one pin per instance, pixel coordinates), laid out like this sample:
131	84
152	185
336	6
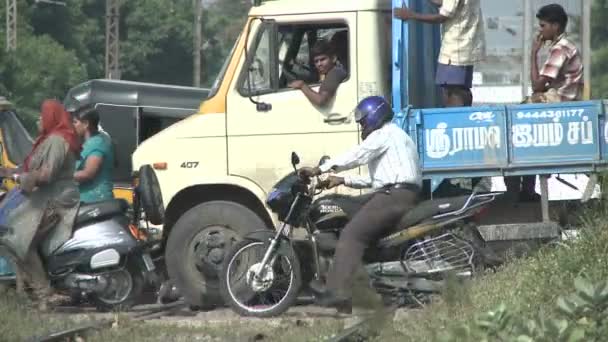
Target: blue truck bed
465	142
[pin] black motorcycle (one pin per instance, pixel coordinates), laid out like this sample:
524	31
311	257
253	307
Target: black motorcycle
263	275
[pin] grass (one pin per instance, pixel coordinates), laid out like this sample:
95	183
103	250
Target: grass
527	286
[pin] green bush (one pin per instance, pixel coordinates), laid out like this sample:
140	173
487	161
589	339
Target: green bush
524	290
581	316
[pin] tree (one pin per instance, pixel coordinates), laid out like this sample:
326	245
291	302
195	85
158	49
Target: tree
599	46
62	46
39	69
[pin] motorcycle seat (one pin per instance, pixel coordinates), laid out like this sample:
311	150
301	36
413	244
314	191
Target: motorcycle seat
100	210
430	208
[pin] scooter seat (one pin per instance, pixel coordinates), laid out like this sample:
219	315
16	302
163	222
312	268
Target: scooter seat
100	210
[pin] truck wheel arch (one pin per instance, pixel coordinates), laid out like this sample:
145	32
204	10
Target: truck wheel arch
191	196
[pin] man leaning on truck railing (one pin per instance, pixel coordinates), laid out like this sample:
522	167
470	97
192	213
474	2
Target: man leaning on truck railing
560	78
462	45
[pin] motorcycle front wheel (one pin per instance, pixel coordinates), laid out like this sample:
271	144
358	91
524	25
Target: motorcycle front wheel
252	291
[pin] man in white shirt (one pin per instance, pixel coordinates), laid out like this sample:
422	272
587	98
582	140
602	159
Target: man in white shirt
462	45
394	172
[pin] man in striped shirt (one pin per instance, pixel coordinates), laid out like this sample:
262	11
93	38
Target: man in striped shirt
560	79
394	172
561	76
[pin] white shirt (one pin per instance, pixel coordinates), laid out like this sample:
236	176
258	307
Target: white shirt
463	38
390	154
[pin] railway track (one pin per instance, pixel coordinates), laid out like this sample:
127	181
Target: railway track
364	330
83	329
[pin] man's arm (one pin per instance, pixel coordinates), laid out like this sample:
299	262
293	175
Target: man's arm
539	82
550	70
405	14
319	99
446	11
326	91
358	182
370	149
351	181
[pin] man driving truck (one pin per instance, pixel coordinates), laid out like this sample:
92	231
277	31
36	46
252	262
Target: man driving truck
331	75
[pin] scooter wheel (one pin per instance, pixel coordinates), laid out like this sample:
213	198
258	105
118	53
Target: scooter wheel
124	288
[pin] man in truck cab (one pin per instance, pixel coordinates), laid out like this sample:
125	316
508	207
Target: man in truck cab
394	174
560	78
462	45
331	75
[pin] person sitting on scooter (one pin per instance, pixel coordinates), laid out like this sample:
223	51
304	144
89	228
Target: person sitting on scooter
395	175
41	210
94	168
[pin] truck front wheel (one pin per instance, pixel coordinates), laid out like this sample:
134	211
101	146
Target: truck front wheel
198	243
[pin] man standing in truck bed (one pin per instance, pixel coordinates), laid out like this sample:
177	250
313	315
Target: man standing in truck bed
462	45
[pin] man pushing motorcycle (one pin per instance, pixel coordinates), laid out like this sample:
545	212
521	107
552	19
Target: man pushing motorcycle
394	174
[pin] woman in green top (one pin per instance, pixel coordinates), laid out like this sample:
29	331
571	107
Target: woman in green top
94	168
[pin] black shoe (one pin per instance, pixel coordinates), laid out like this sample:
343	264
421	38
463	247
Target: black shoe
326	298
317	287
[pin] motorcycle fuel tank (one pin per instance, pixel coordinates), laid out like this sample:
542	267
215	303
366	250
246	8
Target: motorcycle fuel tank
335	210
326	213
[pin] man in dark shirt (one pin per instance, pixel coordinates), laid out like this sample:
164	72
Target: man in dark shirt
330	74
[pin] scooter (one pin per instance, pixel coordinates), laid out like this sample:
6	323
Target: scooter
104	259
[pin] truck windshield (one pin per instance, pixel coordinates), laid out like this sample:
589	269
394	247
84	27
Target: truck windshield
220	76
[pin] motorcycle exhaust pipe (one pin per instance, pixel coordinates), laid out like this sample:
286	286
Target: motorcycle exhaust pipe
86	282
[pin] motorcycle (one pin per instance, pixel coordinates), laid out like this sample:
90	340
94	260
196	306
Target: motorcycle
263	274
104	259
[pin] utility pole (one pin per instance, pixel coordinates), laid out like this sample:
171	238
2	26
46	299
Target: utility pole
11	25
112	39
197	43
527	48
586	38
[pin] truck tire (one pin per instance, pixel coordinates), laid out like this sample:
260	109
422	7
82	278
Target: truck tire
150	195
198	243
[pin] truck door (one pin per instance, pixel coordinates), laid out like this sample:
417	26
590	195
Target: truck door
267	120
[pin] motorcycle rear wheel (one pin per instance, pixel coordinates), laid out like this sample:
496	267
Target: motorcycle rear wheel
270	294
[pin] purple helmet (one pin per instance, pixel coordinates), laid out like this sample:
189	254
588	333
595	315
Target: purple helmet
372	112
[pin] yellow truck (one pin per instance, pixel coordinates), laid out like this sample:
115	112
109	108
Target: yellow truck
215	167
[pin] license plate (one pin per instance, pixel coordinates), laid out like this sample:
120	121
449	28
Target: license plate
148	262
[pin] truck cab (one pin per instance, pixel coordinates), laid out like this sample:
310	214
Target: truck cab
225	158
240	137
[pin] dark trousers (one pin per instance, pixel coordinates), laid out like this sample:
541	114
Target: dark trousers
525	184
381	213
